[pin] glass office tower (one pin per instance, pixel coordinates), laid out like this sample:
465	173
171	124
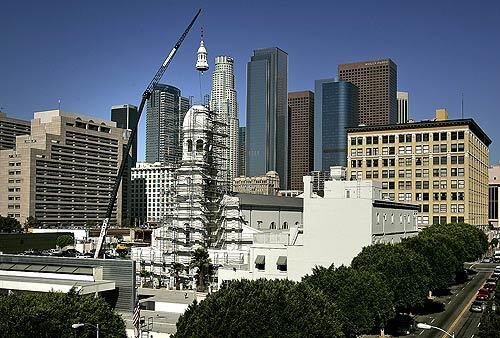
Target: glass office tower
335	109
267	114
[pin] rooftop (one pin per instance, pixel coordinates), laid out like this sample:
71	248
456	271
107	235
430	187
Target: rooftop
473	126
271	201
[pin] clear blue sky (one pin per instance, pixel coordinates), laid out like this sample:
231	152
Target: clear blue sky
94	54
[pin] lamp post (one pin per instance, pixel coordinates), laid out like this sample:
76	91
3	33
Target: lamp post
79	325
428	327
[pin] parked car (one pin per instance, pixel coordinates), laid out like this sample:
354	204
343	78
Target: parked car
477	306
482	297
487	260
471	271
490	286
492	280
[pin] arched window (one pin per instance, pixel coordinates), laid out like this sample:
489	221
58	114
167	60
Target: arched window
199	146
272	225
297	224
285	225
190	145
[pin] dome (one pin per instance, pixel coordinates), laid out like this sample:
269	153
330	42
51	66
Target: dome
202	48
196	118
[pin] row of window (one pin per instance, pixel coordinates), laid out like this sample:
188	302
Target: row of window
408	150
406	138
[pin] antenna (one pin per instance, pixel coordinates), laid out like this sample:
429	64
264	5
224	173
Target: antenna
59	104
462	108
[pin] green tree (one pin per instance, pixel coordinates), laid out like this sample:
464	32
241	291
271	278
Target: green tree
204	269
404	270
490	324
51	315
175	269
363	298
64	240
440	258
9	224
32	222
261	308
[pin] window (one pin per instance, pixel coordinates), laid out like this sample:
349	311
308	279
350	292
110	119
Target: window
368	151
418	137
199	146
285	225
190	145
435	160
272	226
443	136
460	135
435	148
260	262
353	141
375	139
443	172
360	141
368	140
443	148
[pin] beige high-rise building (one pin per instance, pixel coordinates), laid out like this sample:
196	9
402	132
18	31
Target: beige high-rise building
10	128
63	172
441	165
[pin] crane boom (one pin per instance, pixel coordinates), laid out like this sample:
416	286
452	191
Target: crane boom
145	96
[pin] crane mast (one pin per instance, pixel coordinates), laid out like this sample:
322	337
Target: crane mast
145	96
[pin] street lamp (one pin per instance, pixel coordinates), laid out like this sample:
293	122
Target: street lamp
79	325
428	327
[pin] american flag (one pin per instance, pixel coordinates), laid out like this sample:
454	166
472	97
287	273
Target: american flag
136	318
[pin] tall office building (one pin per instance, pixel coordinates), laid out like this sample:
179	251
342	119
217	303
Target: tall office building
301	157
126	116
64	171
335	109
267	114
403	114
165	112
242	150
223	103
441	165
153	193
377	83
10	128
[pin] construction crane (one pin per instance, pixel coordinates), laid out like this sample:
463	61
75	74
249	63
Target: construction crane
145	96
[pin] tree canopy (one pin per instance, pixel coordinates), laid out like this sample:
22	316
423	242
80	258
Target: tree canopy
52	314
406	271
9	224
200	261
270	308
363	298
64	240
442	262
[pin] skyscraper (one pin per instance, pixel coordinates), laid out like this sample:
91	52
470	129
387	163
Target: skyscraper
335	108
402	107
223	103
242	150
267	114
377	83
165	111
301	160
126	116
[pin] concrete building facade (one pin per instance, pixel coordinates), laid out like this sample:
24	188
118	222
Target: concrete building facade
301	157
441	165
267	114
64	171
324	238
403	110
225	107
268	184
493	195
10	128
153	193
377	84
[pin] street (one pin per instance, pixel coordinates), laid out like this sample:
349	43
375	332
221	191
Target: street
457	318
